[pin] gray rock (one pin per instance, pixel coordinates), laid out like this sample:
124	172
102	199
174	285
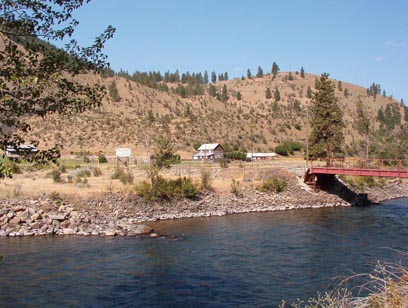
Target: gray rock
142	229
132	233
68	231
23	215
14	221
59	217
36	216
45	206
110	232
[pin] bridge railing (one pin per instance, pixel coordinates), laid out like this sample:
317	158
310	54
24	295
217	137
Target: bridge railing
362	163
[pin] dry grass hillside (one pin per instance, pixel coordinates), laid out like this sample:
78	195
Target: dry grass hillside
254	122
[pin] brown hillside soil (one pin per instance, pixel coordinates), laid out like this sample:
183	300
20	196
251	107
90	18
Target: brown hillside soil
254	123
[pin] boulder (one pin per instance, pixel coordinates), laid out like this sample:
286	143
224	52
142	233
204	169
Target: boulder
142	229
14	221
23	215
132	233
46	207
110	232
36	216
59	217
68	231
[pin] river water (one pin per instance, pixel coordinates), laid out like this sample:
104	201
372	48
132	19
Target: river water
247	260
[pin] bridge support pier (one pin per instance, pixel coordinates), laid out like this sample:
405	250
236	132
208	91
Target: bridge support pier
319	181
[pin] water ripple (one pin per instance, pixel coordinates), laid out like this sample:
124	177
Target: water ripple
252	260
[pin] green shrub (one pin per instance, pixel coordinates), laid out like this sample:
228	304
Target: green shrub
102	159
361	182
236	155
55	175
236	188
281	150
55	197
83	172
224	162
96	171
288	147
181	187
206	179
123	176
274	184
12	166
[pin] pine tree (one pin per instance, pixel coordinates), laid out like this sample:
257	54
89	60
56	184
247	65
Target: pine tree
340	86
213	77
290	77
224	94
259	74
212	90
206	80
275	70
113	92
180	90
249	75
309	93
302	73
268	93
363	124
225	76
276	95
326	139
380	115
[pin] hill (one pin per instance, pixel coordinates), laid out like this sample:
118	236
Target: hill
247	121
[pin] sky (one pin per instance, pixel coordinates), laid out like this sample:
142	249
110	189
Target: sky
356	41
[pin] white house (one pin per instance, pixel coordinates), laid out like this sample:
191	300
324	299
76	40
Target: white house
209	151
20	151
261	156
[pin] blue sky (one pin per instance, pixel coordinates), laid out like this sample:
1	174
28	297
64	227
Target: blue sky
359	41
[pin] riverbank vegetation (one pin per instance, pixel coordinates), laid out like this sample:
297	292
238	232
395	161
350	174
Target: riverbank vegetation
385	287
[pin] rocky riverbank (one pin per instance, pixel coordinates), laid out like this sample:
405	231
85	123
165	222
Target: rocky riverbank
118	214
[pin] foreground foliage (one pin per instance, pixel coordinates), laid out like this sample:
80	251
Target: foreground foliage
387	286
37	78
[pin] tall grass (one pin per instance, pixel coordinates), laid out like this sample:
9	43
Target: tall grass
386	287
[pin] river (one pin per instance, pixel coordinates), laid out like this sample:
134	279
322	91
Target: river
247	260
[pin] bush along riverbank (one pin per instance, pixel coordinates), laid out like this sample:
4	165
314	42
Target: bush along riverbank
120	214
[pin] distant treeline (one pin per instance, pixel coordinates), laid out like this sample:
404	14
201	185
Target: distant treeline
188	84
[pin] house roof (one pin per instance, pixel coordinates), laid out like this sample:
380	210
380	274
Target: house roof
208	146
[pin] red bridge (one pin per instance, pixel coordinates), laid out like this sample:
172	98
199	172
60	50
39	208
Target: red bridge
356	167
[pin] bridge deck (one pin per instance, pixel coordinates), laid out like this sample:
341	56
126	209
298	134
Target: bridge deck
392	173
